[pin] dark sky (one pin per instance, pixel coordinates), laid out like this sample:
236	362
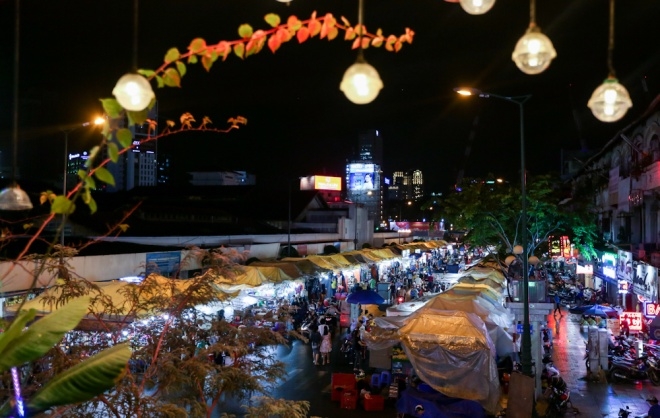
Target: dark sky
73	51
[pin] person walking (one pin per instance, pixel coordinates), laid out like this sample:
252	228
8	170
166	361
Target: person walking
326	342
557	305
654	410
315	340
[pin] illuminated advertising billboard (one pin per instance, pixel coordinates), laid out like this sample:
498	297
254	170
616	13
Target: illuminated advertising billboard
320	183
645	282
361	177
624	270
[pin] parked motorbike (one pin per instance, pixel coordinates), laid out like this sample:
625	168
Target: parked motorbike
558	395
627	370
624	413
653	370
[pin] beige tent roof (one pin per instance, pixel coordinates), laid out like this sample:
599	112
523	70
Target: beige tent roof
287	268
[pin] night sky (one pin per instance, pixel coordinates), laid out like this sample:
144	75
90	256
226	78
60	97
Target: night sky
299	123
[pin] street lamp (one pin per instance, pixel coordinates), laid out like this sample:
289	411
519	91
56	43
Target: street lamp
526	346
98	121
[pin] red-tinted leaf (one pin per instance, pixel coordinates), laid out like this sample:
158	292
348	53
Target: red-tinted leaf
360	29
302	34
389	47
332	34
391	39
274	43
324	30
223	49
376	42
283	35
314	27
197	45
397	46
356	43
293	23
350	34
365	43
346	22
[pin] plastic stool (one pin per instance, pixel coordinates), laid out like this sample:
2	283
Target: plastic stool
375	380
385	378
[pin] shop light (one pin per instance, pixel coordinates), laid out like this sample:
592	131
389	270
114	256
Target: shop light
477	7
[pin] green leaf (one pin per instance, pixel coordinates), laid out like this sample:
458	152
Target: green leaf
44	334
104	175
92	155
92	204
112	108
192	59
160	82
172	55
272	19
137	118
89	182
245	31
113	152
181	67
171	77
83	381
147	73
62	205
15	329
125	137
239	50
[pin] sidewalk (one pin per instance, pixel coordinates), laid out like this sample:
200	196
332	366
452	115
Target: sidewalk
592	399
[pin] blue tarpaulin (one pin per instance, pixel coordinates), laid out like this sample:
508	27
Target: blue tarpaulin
429	403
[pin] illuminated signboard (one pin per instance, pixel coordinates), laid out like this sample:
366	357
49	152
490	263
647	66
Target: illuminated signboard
624	286
634	320
327	183
624	268
645	281
560	246
361	177
651	309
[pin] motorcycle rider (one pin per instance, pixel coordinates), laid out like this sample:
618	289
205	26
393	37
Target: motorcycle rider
654	410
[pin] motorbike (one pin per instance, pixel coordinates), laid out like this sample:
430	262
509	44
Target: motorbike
653	370
623	369
558	395
624	413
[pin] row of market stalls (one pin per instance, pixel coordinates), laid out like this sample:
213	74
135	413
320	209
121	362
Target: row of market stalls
453	339
260	286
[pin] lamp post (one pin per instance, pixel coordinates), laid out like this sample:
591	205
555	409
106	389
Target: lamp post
98	121
526	346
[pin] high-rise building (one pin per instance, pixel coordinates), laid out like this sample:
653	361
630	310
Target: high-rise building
406	185
370	147
137	167
417	185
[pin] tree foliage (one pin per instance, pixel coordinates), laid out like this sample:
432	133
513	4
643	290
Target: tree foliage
173	369
490	214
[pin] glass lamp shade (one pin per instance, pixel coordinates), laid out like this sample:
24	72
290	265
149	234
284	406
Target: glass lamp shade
477	7
509	260
14	198
133	92
533	52
610	101
534	260
518	249
361	83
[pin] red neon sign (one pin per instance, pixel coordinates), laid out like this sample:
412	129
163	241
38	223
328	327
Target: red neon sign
651	309
634	320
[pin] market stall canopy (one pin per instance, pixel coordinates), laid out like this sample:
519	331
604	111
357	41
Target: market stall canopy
306	266
480	271
450	350
287	268
343	261
324	262
486	290
273	274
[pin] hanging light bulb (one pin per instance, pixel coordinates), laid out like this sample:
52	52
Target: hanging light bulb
534	51
133	92
285	1
610	101
14	198
477	7
361	82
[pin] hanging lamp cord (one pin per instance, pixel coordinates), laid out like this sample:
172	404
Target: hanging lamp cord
532	13
135	35
610	43
361	30
15	99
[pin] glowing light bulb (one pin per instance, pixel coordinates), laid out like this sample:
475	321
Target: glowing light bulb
477	7
361	83
533	52
133	92
610	101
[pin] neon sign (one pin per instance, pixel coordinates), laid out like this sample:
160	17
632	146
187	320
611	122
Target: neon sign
634	320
